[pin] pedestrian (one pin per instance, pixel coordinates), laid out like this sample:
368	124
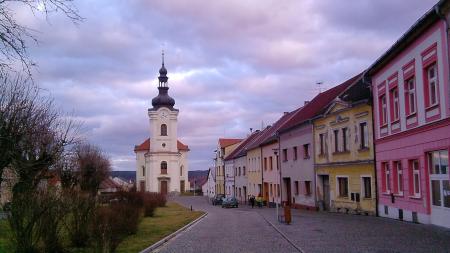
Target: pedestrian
252	200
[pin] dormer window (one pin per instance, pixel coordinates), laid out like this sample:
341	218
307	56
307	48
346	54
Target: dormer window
163	130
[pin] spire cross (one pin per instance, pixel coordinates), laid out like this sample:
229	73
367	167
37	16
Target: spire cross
163	57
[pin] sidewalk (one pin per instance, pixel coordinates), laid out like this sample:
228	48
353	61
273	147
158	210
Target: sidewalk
334	232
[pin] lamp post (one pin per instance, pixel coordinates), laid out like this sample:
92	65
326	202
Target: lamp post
275	152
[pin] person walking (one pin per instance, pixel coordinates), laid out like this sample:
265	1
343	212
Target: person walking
252	200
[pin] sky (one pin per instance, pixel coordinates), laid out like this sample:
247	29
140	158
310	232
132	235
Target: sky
232	65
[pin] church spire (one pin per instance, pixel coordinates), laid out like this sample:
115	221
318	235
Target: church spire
163	99
163	73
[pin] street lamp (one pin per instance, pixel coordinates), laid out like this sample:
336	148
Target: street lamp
275	152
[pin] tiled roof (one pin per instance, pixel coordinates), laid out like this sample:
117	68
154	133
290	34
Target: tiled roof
318	104
108	183
271	131
242	148
145	146
228	142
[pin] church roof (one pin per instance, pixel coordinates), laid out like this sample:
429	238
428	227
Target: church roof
228	142
145	146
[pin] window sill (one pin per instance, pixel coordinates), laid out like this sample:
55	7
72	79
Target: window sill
412	115
431	107
383	125
306	157
341	152
399	195
364	149
415	197
386	193
395	121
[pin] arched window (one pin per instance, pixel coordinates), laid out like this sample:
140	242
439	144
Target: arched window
163	130
164	167
181	170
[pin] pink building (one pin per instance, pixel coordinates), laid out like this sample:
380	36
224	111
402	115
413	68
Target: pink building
410	84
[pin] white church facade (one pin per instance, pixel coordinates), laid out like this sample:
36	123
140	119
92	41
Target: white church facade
162	160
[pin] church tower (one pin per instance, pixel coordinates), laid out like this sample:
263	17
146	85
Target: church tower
162	159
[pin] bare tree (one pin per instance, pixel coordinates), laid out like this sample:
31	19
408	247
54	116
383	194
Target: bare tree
14	36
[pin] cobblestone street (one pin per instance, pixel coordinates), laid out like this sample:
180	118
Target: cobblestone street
245	230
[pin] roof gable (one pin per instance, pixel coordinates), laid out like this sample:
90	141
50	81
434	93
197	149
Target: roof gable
336	106
223	142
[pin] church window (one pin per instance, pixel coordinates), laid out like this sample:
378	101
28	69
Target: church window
181	170
164	167
163	130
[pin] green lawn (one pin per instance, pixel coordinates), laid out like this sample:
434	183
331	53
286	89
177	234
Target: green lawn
151	229
5	245
166	221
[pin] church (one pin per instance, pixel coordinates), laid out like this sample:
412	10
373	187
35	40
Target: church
161	160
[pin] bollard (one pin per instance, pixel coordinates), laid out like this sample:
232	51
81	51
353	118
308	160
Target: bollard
191	207
287	214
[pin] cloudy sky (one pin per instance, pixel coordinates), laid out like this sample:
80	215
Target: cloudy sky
232	64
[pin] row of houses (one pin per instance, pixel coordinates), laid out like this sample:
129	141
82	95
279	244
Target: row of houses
376	144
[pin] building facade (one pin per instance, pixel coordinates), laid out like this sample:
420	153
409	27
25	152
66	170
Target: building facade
410	85
343	156
161	160
224	147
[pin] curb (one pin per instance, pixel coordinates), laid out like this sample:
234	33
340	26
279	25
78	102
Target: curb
167	238
283	235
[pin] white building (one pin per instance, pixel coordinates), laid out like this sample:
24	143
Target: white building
210	184
161	160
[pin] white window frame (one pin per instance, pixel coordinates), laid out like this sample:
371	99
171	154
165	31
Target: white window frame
411	85
365	133
396	104
416	171
434	81
399	172
363	188
384	109
337	186
387	176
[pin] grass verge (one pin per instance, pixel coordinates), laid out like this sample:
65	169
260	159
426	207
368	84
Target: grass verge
152	229
5	237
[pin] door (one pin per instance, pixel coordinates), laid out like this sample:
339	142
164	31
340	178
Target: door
245	194
182	186
287	183
326	192
164	187
142	186
439	187
266	192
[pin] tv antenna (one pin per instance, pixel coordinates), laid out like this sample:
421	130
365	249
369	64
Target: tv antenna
319	86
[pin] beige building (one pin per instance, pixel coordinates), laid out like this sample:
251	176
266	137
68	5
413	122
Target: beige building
224	147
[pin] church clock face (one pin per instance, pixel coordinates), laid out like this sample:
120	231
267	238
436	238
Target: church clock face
164	115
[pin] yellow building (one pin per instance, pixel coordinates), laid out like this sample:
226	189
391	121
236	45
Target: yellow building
224	147
344	160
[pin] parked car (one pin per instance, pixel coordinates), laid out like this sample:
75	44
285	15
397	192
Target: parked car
230	202
217	200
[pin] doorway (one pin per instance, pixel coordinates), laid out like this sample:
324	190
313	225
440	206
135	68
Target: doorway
287	184
326	192
266	193
439	187
182	186
142	186
164	187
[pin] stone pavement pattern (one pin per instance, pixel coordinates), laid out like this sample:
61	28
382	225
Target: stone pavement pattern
245	230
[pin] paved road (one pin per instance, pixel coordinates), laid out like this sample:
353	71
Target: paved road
245	230
227	230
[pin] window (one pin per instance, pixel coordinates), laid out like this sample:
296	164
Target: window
367	190
296	188
271	190
163	130
383	111
415	178
181	170
305	151
344	139
410	96
285	155
265	163
243	171
343	187
432	85
277	157
387	178
270	163
278	190
295	153
398	168
163	167
307	187
364	133
143	171
336	140
395	113
322	144
239	171
438	162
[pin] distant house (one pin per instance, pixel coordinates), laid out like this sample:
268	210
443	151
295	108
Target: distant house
210	184
126	185
109	186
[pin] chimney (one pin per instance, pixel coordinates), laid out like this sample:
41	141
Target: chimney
306	102
284	113
251	130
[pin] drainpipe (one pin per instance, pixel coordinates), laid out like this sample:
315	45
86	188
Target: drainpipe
279	167
442	17
373	142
